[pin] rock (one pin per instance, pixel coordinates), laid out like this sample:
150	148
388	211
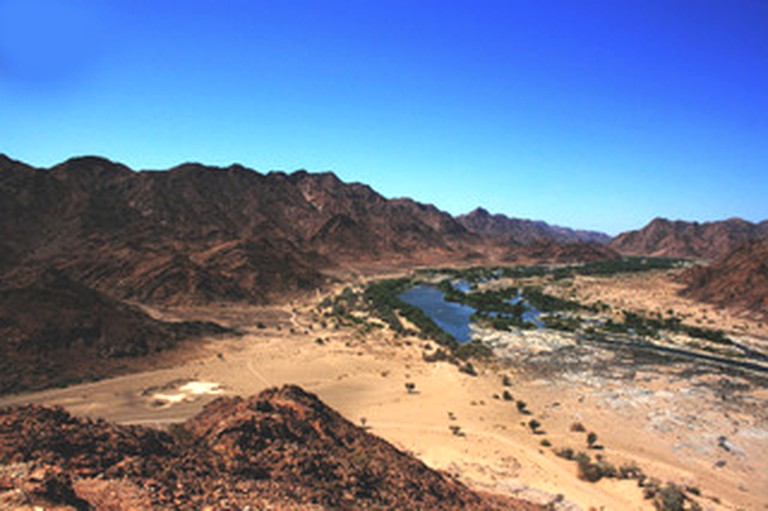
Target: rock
282	448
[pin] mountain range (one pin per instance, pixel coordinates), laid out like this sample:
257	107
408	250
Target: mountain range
94	233
196	234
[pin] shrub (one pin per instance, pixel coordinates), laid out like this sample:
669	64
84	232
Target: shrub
588	471
607	469
578	427
507	396
630	471
670	498
468	368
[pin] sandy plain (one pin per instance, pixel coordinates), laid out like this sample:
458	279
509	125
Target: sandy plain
655	414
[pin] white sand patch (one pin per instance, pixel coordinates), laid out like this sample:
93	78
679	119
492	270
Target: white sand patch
188	392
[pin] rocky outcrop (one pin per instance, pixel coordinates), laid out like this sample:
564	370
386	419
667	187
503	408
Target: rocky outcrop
282	449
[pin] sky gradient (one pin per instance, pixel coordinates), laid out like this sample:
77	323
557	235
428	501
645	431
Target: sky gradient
590	114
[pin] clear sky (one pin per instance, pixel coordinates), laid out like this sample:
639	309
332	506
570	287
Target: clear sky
590	114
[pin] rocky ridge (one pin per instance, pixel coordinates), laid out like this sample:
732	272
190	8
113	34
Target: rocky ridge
55	330
281	449
737	280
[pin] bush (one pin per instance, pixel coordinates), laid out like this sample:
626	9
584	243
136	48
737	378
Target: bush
588	471
507	396
630	471
468	368
670	498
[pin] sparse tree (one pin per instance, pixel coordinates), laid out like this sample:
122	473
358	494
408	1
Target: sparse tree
410	387
591	439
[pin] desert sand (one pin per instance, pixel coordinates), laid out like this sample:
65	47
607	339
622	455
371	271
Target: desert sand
364	377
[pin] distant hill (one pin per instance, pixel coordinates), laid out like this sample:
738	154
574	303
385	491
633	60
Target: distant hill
739	279
709	240
518	231
282	449
558	253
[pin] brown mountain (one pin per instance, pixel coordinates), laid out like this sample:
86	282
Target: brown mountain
559	253
694	240
282	449
198	234
517	231
739	279
56	331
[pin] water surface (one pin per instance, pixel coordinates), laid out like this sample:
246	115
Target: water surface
450	316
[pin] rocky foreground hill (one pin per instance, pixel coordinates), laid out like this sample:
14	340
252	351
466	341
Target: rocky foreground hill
738	280
692	240
281	449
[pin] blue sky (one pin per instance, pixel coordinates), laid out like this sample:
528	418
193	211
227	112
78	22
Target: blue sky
591	114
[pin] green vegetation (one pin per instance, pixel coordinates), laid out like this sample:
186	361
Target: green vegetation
667	498
650	327
563	323
630	264
627	265
548	303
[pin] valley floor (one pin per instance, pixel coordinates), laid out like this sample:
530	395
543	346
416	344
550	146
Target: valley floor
698	428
